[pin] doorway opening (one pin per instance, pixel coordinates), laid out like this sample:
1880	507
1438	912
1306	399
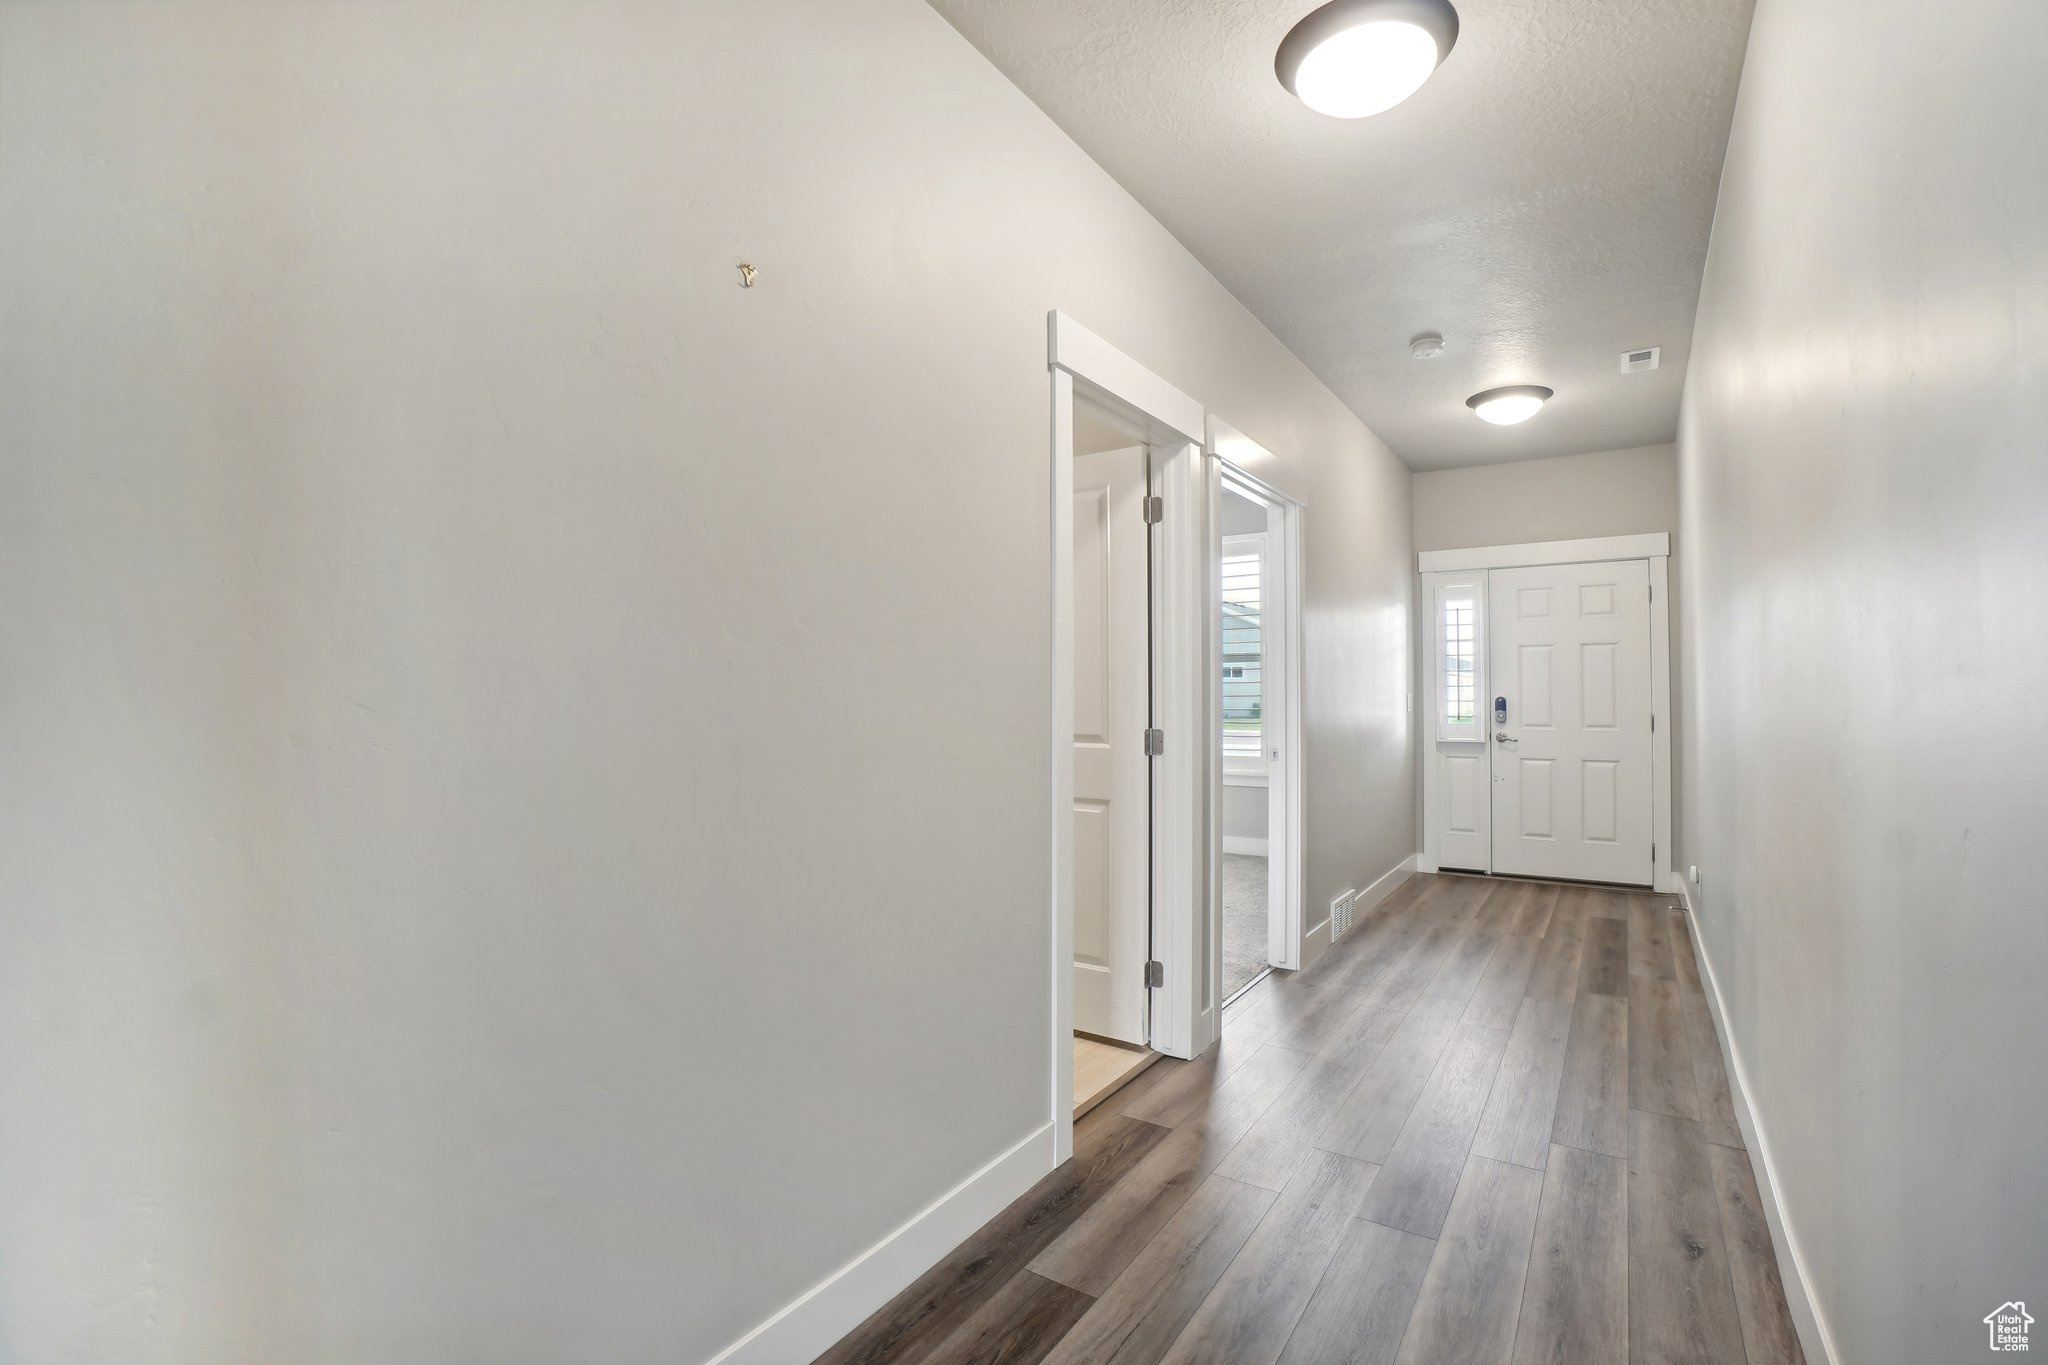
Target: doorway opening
1111	816
1257	675
1547	674
1245	822
1145	980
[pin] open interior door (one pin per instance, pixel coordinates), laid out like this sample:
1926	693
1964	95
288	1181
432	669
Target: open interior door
1111	700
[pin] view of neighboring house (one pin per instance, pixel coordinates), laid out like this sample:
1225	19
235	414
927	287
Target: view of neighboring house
1240	661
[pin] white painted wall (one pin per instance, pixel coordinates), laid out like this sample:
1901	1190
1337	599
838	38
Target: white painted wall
1566	497
1246	811
1865	544
1095	431
471	667
1241	516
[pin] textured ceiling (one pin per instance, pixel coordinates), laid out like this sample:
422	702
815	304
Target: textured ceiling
1543	201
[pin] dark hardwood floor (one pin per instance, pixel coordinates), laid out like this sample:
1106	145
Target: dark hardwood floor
1491	1125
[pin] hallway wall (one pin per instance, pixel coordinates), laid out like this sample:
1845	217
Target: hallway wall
1565	497
1864	514
1245	811
526	763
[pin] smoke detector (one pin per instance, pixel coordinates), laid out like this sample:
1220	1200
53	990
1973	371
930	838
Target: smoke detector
1636	362
1428	346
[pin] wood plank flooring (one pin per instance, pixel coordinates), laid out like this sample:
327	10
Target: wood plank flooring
1491	1125
1100	1069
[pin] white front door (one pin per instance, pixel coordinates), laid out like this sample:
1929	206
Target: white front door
1112	651
1571	759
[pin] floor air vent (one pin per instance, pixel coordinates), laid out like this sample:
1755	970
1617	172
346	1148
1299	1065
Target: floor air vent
1342	911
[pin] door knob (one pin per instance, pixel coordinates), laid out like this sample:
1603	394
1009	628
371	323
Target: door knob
1502	737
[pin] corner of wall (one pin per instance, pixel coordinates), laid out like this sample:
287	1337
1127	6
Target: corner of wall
1814	1337
845	1299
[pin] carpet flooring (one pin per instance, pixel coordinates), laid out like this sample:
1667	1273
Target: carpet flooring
1244	920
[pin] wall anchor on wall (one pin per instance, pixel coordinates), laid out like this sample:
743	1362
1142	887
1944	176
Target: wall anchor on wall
747	273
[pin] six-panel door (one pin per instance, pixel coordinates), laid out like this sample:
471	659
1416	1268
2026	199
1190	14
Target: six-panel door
1571	761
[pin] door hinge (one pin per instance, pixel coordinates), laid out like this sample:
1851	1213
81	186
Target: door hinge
1653	855
1653	592
1653	724
1155	743
1155	510
1155	974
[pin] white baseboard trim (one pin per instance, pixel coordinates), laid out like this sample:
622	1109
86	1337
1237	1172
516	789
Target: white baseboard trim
1370	898
1315	942
1807	1320
814	1323
1240	843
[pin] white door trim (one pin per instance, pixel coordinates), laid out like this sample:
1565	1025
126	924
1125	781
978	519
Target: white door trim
1652	546
1119	383
1186	1015
1648	546
1172	424
1665	722
1286	829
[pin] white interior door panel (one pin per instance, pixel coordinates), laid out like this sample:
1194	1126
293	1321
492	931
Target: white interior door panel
1111	688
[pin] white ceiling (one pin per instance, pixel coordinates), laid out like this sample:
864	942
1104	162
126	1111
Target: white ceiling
1543	201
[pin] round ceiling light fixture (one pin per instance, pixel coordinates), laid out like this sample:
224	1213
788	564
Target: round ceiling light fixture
1353	58
1505	407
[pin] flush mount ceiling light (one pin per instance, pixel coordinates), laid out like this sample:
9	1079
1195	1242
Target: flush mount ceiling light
1352	58
1505	407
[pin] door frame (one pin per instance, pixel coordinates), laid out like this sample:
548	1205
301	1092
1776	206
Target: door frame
1230	450
1654	547
1082	364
